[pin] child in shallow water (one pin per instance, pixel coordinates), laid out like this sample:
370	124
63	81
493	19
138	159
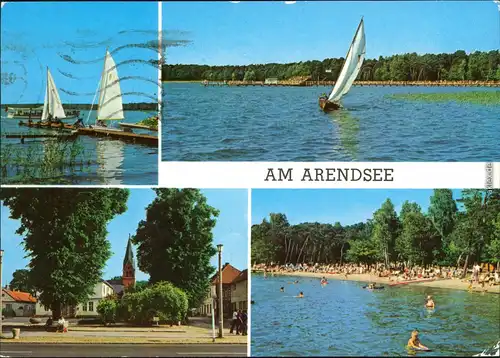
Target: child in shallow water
414	342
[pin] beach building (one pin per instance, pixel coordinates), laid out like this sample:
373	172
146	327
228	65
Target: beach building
17	303
271	81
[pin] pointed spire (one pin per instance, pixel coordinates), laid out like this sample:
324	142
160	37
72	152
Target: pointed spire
129	254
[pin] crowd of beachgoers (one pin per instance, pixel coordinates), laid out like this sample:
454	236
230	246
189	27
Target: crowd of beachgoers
394	272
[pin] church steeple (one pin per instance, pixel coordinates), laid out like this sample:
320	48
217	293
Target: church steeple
128	266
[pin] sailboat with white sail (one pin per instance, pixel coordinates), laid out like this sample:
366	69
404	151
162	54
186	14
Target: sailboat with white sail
348	73
52	106
110	104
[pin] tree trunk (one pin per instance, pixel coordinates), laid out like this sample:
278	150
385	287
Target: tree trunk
458	260
56	310
465	266
300	253
342	252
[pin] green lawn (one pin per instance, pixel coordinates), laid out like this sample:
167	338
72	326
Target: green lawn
475	97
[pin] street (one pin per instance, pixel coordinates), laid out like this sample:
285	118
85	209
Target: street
122	350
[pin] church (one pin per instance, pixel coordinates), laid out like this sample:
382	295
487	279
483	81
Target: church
102	290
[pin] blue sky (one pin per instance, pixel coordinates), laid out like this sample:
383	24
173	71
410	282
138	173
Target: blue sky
271	31
34	35
347	206
231	231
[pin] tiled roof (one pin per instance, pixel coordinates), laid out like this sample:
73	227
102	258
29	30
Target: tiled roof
243	276
19	296
229	273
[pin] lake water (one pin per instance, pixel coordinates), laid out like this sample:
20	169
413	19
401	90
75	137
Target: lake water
286	124
111	161
343	319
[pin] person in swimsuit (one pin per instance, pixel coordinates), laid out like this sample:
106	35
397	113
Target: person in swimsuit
414	342
301	295
430	302
282	289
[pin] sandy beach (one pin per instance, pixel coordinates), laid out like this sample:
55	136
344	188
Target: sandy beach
454	284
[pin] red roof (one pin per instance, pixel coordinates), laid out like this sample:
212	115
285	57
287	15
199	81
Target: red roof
19	296
243	276
229	273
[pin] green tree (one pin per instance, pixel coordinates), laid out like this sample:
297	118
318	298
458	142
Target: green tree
385	230
107	310
21	281
65	238
175	241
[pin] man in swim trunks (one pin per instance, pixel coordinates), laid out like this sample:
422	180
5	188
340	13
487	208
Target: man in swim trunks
414	342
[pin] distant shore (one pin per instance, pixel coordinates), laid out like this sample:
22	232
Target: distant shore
310	83
454	284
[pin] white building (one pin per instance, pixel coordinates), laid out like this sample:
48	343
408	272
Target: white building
239	292
17	303
88	309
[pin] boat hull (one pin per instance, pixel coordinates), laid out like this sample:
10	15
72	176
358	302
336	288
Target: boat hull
328	106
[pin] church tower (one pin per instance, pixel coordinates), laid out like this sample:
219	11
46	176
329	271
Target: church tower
128	275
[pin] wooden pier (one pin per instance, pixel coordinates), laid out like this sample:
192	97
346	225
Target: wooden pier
128	136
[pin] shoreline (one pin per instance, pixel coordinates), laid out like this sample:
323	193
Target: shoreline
309	83
453	284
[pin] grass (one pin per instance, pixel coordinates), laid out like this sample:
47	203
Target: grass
473	97
46	163
61	338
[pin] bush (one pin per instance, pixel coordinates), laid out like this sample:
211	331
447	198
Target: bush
162	300
107	309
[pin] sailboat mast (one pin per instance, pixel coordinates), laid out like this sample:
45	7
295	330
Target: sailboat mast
102	83
48	93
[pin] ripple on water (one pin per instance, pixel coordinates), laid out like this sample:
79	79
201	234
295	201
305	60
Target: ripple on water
286	124
344	319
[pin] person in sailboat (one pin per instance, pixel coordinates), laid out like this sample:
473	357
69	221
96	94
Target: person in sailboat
79	123
57	121
100	123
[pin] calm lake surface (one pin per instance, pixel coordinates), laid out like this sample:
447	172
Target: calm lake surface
286	124
111	161
342	319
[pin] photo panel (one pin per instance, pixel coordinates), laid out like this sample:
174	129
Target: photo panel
132	272
375	272
80	93
321	81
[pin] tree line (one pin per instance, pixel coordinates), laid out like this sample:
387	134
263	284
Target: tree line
65	238
451	233
458	66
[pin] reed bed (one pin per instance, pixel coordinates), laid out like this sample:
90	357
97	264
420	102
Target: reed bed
473	97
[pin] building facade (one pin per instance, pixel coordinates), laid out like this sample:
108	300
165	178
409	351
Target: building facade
239	294
18	304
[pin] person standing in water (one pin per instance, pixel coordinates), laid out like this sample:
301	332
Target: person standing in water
282	289
429	302
414	342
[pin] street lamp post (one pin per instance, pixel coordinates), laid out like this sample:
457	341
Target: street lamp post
1	292
221	315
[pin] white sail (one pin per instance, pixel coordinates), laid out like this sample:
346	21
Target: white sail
52	103
110	106
352	65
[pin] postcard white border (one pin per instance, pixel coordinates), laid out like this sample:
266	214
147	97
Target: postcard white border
407	175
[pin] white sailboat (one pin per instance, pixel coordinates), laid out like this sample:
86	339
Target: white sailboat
349	72
52	106
110	105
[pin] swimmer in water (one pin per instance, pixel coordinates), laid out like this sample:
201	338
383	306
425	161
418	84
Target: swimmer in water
296	282
429	302
414	342
301	295
282	289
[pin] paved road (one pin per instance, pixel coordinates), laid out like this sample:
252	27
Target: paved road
122	350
